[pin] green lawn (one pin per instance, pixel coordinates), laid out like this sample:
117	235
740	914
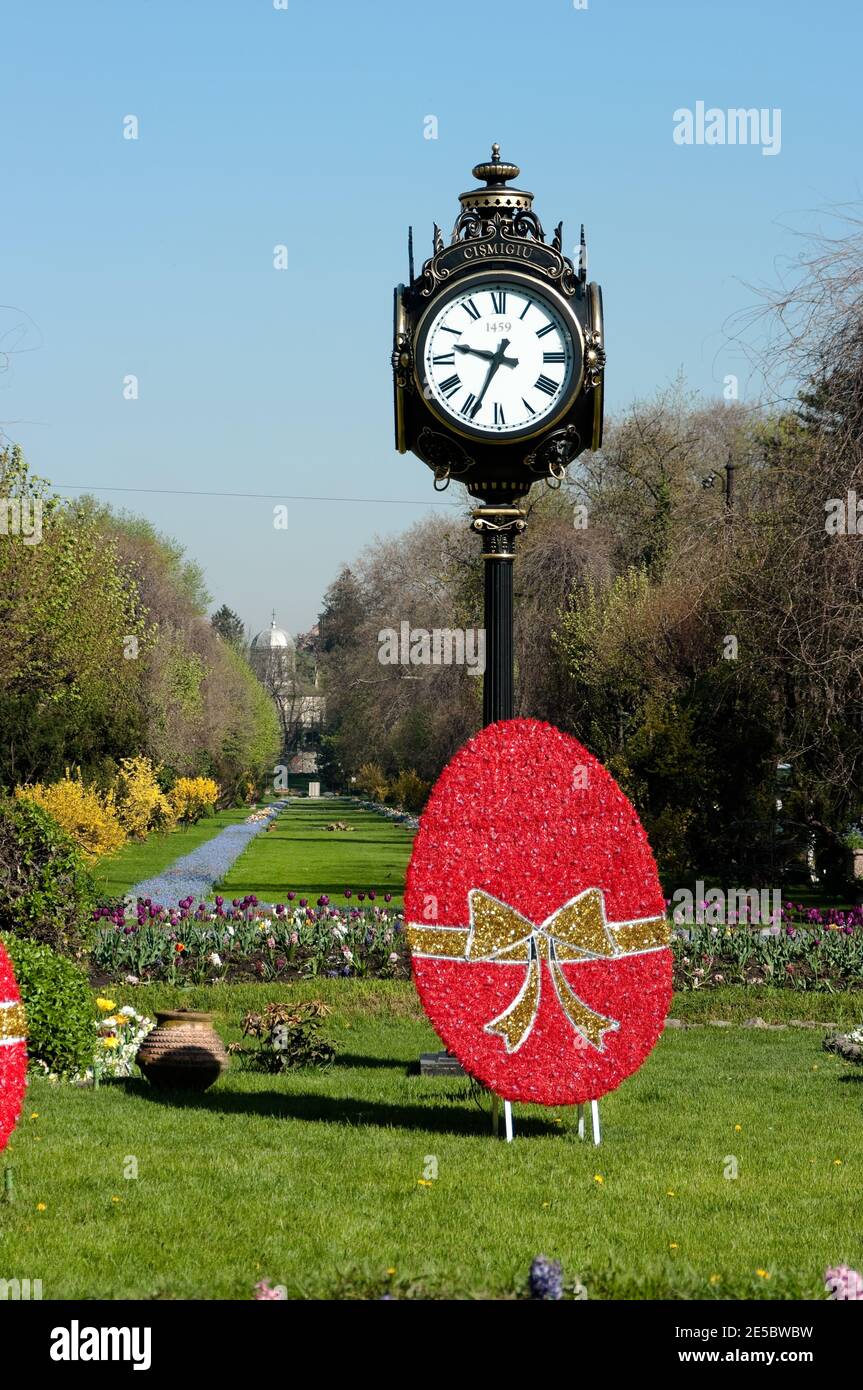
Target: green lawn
301	855
313	1180
140	859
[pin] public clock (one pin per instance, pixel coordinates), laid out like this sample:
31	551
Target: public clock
499	357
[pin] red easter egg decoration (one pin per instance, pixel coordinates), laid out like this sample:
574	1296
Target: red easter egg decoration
536	918
13	1050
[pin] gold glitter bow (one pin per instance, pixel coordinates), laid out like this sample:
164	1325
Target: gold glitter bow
578	931
12	1024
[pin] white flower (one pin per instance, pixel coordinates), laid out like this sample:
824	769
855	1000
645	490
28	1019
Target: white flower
130	979
393	957
128	1011
214	958
339	933
348	955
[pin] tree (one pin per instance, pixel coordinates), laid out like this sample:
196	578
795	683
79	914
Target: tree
229	626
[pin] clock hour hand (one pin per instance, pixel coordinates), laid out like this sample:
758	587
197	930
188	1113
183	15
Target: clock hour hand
489	356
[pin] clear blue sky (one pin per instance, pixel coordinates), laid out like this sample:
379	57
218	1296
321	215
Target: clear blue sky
305	127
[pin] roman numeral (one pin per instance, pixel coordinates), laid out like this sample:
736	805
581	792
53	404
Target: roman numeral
545	383
468	404
546	357
450	386
527	405
524	310
498	301
448	359
541	332
498	414
456	331
471	308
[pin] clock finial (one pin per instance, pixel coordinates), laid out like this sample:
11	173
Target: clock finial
496	196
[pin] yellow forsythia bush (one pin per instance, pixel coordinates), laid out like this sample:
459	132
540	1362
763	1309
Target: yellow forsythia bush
89	817
371	779
142	806
193	797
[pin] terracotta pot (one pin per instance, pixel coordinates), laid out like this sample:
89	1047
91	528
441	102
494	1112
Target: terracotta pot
183	1052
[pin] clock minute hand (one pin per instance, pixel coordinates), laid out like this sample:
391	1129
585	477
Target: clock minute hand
497	359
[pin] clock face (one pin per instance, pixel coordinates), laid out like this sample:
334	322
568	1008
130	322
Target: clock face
498	358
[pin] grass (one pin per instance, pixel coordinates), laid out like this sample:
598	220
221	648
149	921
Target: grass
312	1179
141	859
299	854
737	1003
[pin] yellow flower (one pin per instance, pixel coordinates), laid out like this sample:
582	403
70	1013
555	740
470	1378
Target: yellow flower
762	1273
35	1115
837	1163
106	1005
116	1199
40	1206
669	1193
673	1245
737	1129
424	1182
597	1177
110	1042
715	1278
391	1271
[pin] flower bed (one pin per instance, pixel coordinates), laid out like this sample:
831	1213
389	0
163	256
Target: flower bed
390	812
809	949
249	940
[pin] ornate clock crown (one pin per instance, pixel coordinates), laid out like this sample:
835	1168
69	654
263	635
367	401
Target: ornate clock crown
496	196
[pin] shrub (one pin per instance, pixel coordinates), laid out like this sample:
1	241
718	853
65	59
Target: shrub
371	779
142	806
193	797
88	817
46	891
409	791
287	1036
58	1005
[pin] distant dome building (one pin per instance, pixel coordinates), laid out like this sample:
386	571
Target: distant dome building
273	655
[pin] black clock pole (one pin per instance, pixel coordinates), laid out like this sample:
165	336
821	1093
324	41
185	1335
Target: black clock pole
500	289
498	527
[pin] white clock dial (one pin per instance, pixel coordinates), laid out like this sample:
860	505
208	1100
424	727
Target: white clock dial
498	359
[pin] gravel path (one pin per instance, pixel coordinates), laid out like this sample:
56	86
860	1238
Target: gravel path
194	874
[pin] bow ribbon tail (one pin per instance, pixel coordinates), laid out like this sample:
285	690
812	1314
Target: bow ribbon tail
586	1022
516	1021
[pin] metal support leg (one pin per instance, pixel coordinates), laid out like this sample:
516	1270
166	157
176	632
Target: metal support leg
594	1111
581	1122
507	1121
495	1115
